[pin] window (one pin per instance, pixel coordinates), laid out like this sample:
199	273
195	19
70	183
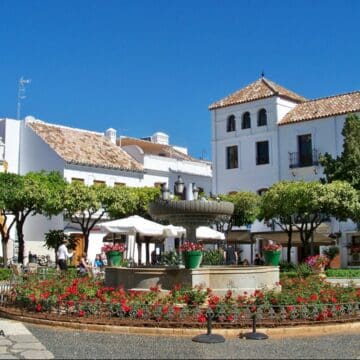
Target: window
119	184
78	180
262	152
231	157
99	182
262	118
246	122
305	150
230	123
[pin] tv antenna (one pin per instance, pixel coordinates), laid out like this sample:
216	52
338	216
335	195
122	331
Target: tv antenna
21	94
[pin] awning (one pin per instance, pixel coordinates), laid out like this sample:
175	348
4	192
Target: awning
239	236
281	237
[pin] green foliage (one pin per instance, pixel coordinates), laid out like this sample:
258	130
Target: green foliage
171	258
343	273
191	296
5	274
303	270
213	257
305	205
246	207
54	238
286	267
347	165
331	252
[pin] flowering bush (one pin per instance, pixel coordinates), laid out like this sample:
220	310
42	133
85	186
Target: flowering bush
190	246
311	298
272	247
116	247
317	260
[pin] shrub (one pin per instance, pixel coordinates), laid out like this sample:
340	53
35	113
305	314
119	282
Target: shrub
213	257
303	270
286	267
5	274
170	258
343	273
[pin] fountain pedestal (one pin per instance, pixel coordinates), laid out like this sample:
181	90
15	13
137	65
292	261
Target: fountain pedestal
218	278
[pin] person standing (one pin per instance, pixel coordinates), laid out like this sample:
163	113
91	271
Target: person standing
231	257
63	254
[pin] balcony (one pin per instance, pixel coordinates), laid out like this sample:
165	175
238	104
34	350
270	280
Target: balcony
297	160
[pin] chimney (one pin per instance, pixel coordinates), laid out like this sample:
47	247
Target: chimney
160	138
111	135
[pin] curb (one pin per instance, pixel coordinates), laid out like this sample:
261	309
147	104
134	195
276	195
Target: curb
296	331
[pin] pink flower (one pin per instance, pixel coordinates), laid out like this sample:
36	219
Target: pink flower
190	246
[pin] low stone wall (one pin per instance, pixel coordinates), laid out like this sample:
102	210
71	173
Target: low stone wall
218	278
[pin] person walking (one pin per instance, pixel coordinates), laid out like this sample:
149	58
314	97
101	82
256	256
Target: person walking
63	254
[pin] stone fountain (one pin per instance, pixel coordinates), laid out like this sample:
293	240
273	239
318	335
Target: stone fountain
191	213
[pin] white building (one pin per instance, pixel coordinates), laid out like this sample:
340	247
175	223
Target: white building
90	157
264	133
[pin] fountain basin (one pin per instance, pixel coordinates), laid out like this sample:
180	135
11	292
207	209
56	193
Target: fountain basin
220	279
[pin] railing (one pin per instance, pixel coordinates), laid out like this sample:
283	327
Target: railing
297	159
230	315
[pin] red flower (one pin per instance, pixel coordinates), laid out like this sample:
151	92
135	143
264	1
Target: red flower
230	318
201	318
81	313
140	313
38	307
190	246
70	303
313	297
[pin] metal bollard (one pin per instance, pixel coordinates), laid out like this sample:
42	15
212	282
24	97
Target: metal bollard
209	338
254	335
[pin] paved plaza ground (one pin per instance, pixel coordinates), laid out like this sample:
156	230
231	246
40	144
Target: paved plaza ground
70	344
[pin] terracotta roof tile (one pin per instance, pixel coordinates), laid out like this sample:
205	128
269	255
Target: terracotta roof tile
83	147
156	149
324	107
260	89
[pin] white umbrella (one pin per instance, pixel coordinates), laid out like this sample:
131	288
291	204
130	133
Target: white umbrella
205	232
132	225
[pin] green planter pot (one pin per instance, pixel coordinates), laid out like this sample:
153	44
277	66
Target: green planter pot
114	258
272	257
192	259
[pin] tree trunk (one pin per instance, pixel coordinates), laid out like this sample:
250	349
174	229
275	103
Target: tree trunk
289	247
19	229
86	241
4	243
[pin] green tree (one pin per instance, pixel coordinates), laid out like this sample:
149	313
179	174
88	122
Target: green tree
54	238
9	185
246	208
87	205
305	205
30	194
39	193
347	165
279	205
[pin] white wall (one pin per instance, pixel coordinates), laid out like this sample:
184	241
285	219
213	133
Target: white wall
35	154
10	132
248	175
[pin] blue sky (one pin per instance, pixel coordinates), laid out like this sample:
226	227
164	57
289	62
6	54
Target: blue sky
147	66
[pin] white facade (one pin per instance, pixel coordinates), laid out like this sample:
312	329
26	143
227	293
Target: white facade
283	140
26	151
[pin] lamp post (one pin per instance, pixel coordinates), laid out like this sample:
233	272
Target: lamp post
165	192
195	191
179	186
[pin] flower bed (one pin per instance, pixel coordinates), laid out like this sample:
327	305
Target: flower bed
300	301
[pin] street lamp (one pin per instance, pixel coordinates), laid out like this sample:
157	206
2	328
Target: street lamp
179	186
165	192
195	191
